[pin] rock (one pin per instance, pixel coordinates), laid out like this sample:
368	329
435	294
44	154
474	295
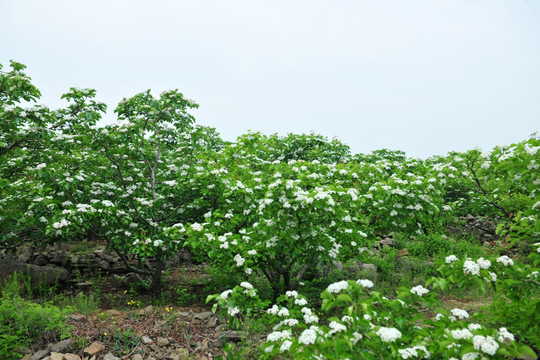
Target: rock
113	312
173	356
201	346
147	311
386	242
104	264
469	217
203	315
62	346
184	314
71	357
233	335
146	340
110	356
26	254
39	355
26	357
56	356
161	341
137	357
77	317
84	285
212	322
39	275
403	252
95	348
100	251
220	328
41	260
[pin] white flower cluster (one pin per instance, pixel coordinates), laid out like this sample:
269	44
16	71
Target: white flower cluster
239	260
308	316
365	283
413	352
388	334
337	286
484	264
505	335
196	226
470	267
419	290
461	334
308	336
459	313
450	259
485	343
61	224
505	260
278	335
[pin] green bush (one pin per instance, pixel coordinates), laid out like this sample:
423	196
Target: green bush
23	322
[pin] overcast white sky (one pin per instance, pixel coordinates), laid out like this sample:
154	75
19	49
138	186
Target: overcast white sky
421	76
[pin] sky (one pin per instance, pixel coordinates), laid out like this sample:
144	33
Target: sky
422	76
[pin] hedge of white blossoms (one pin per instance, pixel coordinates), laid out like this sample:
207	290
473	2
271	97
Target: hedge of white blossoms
359	323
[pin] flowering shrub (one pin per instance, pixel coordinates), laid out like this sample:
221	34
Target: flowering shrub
515	285
363	324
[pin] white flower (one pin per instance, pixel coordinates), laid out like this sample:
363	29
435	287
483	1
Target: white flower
293	294
471	355
283	312
413	352
290	322
337	286
233	311
474	327
300	302
225	294
486	344
388	334
504	335
273	310
170	183
196	226
277	335
484	264
505	260
40	166
470	267
461	334
357	336
252	252
450	259
365	283
239	260
107	203
419	290
308	337
336	327
285	346
246	285
461	314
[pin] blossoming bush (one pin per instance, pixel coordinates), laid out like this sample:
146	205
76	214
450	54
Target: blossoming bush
515	286
502	183
362	324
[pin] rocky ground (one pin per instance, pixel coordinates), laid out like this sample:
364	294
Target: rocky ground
149	333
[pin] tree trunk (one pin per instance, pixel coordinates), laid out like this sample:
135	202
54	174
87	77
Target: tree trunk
156	279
